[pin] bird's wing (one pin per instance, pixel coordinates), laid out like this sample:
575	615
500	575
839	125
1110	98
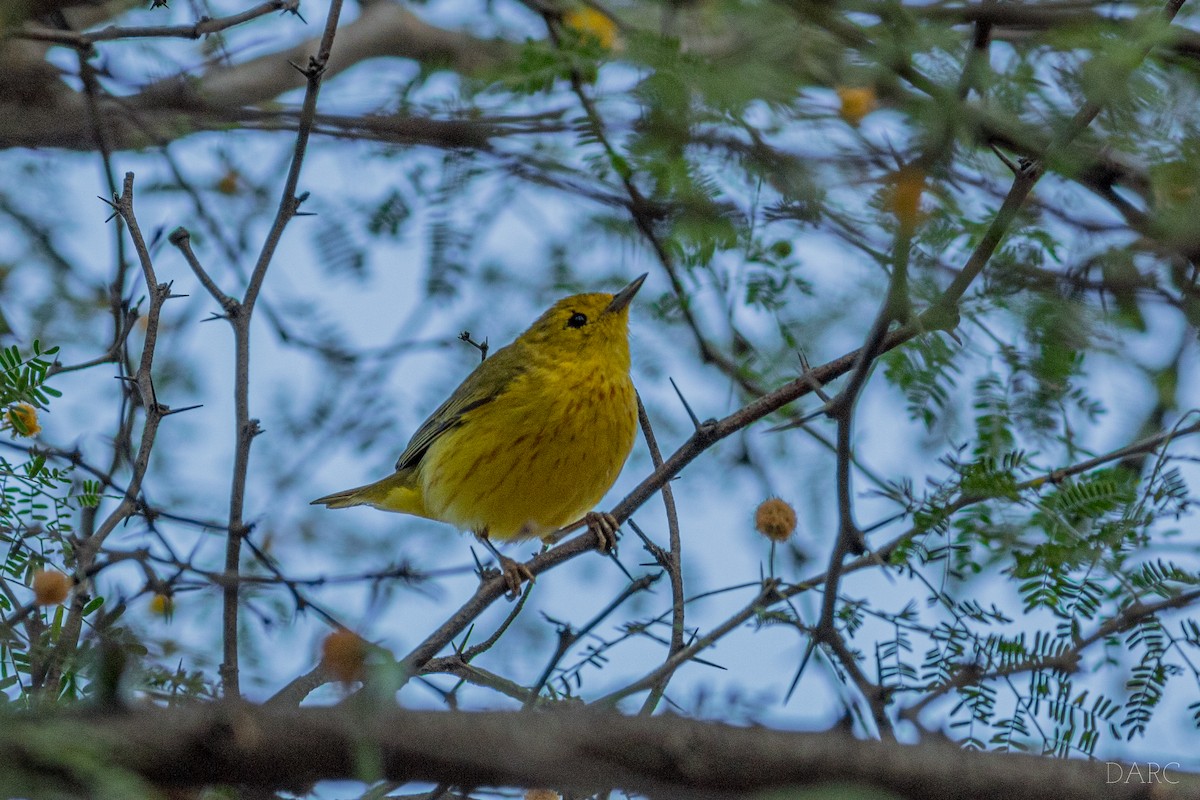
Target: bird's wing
481	387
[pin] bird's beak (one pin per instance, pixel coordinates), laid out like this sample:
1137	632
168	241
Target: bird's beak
622	298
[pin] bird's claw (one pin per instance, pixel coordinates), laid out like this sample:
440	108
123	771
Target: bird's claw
604	525
514	572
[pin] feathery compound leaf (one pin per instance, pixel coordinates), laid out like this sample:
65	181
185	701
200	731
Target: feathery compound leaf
926	372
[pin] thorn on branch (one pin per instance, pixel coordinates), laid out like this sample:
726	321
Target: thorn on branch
460	647
316	66
1005	159
660	555
771	593
856	542
613	555
705	433
298	201
156	238
465	336
111	204
291	7
167	411
807	376
483	571
145	511
691	414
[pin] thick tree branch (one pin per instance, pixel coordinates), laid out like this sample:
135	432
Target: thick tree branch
570	750
382	30
37	109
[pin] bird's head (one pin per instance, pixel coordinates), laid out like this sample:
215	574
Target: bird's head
586	326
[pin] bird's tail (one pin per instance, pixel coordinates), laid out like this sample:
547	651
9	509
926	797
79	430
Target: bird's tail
343	499
396	492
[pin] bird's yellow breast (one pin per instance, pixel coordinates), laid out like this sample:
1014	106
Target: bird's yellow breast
538	457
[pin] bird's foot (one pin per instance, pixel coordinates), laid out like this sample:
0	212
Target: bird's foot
604	525
514	572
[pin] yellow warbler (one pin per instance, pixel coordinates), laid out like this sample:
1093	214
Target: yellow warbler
531	440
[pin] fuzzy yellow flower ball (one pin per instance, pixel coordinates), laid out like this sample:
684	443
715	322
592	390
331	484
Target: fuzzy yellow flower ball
591	22
343	654
904	198
230	183
775	519
24	420
50	587
162	604
857	102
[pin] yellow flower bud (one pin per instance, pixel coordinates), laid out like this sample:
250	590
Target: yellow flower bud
50	587
24	420
162	604
857	102
775	519
904	198
590	22
230	183
343	654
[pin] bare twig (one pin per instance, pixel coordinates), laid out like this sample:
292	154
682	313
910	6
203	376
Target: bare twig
674	560
239	317
567	636
89	548
203	27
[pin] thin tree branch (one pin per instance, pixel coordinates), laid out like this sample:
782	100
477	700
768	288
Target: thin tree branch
88	550
205	26
239	317
674	560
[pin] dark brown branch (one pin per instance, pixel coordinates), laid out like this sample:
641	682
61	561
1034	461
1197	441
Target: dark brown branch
574	751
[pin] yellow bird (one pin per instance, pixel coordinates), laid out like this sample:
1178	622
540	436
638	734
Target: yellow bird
531	440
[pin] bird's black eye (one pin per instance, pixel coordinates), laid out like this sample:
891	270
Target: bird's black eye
577	320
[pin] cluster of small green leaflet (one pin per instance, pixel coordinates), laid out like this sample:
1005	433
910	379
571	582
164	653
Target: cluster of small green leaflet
37	507
1073	544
